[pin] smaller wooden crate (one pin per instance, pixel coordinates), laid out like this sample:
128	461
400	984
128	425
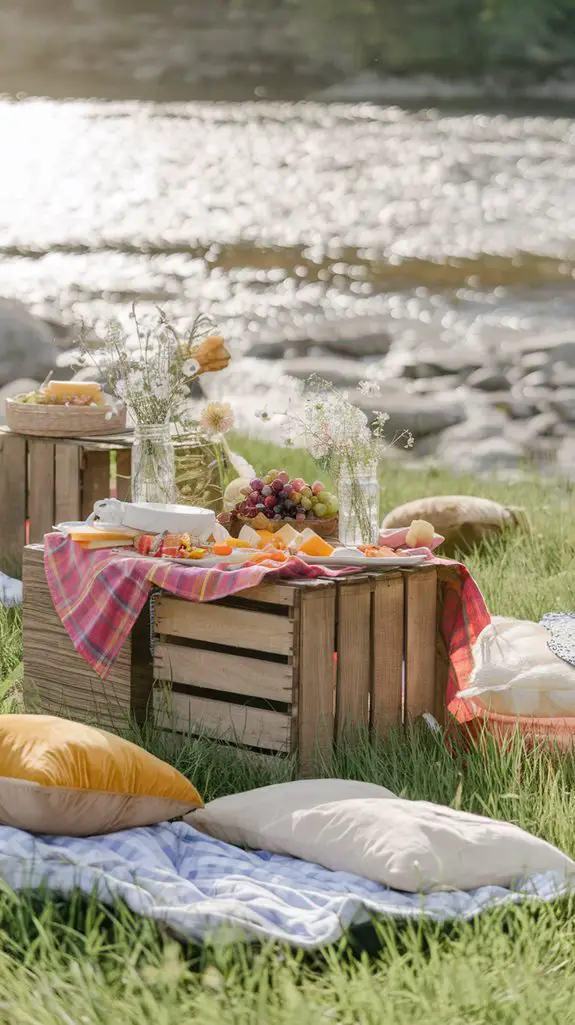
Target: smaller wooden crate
44	481
57	681
288	667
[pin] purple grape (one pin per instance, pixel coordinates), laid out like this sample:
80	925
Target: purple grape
269	513
254	498
251	512
266	490
278	516
270	502
283	476
277	485
260	507
256	484
300	515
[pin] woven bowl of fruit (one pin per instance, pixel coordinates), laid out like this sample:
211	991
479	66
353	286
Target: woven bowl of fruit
271	501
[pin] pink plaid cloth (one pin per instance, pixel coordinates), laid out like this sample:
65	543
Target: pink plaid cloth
99	595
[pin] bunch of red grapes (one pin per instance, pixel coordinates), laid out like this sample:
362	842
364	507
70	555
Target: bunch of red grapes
279	498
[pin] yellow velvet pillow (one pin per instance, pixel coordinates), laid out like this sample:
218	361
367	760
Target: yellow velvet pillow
69	779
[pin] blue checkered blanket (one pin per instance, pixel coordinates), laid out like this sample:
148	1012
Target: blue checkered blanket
201	888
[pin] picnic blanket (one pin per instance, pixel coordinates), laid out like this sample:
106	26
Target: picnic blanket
99	595
199	887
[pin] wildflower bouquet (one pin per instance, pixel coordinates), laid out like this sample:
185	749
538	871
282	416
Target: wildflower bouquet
151	376
348	445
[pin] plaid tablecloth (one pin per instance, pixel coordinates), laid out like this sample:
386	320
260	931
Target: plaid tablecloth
99	595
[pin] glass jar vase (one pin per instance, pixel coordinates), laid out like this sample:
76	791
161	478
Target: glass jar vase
153	464
358	491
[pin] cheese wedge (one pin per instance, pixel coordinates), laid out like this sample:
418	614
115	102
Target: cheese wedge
316	546
287	535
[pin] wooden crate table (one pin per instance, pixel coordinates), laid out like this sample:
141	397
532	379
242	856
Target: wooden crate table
44	481
283	667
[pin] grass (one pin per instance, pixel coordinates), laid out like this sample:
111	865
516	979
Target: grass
72	962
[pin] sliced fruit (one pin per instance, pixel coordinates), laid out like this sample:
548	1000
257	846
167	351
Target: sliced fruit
222	549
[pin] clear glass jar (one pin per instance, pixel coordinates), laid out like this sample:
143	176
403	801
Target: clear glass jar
359	504
153	464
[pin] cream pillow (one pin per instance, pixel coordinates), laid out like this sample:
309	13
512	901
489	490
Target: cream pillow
245	819
412	846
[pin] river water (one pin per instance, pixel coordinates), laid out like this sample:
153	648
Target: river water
453	228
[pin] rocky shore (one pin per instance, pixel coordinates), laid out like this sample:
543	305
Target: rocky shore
509	408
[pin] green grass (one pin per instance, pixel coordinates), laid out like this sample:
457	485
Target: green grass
72	962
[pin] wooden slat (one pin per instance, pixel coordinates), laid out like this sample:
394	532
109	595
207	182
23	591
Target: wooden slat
253	727
123	474
387	651
420	647
13	479
315	676
57	680
442	663
272	594
216	624
67	500
353	654
214	670
41	479
95	479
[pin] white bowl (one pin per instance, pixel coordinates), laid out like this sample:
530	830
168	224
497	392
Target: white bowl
176	519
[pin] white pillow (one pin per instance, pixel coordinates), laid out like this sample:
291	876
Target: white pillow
412	846
516	673
245	819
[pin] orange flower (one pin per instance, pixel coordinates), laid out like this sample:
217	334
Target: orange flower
211	355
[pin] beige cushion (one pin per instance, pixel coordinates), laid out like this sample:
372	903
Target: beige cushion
464	520
406	845
245	819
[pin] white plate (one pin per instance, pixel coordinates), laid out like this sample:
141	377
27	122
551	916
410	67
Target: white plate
390	562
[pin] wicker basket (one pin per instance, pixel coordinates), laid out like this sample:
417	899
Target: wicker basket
324	528
64	421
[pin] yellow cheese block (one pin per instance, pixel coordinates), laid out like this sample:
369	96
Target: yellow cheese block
62	390
287	535
87	534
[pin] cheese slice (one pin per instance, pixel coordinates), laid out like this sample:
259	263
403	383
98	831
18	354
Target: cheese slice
287	535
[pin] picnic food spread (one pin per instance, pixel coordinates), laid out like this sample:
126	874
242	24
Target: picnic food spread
277	498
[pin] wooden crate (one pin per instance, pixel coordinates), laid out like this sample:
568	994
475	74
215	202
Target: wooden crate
44	481
57	681
288	667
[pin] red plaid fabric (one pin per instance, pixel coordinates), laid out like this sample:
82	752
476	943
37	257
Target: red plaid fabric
98	595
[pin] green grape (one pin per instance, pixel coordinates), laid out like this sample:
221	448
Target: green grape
320	509
306	504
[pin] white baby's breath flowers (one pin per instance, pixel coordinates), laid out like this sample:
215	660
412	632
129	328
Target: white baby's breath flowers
369	387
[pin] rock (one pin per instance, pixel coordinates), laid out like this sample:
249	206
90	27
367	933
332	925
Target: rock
342	373
544	425
491	455
420	415
558	347
428	362
432	385
488	379
562	376
349	336
15	388
464	521
27	347
563	402
566	457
